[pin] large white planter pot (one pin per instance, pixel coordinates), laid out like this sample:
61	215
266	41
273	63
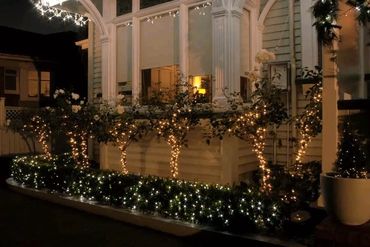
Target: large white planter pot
347	199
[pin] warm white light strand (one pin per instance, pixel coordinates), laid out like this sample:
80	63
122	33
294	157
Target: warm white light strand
50	12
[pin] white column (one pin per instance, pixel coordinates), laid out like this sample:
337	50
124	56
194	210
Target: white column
109	83
330	110
184	40
226	47
108	41
136	71
309	36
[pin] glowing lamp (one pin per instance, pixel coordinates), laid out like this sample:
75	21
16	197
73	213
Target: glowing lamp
202	91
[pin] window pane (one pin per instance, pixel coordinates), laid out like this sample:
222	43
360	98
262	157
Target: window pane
162	79
159	41
149	3
124	7
200	41
33	89
45	88
10	82
124	59
45	76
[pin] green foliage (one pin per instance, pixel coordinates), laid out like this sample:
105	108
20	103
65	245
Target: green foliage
21	126
326	12
351	158
218	206
296	190
326	15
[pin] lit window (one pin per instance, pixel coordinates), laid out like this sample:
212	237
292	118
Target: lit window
38	82
11	81
159	80
45	84
202	86
33	84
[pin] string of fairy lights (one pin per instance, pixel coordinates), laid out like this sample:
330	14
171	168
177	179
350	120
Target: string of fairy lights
43	132
50	11
197	203
78	140
326	13
124	133
309	122
246	126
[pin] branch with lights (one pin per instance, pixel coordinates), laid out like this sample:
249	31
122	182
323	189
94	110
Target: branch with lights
173	120
49	9
326	15
308	123
75	118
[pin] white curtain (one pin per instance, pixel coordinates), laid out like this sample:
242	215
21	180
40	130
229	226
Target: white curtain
159	42
124	54
200	41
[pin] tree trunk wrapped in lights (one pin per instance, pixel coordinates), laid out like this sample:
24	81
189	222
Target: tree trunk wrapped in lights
250	123
42	130
78	144
308	123
174	118
125	131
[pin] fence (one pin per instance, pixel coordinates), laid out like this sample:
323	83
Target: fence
10	142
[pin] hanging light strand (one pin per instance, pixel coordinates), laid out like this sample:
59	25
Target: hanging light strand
45	9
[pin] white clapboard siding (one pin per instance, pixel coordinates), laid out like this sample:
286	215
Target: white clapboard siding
276	31
97	62
224	162
314	148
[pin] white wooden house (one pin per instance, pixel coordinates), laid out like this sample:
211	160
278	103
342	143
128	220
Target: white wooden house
135	44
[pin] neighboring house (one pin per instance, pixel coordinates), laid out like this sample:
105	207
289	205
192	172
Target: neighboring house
31	67
138	46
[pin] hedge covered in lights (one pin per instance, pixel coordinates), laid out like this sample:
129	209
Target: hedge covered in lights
238	207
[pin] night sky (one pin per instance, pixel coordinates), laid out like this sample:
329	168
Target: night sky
21	14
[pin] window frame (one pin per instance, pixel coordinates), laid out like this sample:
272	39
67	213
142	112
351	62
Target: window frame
10	91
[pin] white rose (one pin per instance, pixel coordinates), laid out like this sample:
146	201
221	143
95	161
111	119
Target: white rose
8	121
76	108
75	96
82	102
96	117
120	109
264	56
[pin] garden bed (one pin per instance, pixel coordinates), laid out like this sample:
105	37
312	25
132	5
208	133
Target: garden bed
241	210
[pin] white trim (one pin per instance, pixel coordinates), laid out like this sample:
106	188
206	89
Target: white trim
17	82
265	11
184	40
309	36
95	16
253	6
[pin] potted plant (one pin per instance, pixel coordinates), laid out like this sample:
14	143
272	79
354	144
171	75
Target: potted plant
346	191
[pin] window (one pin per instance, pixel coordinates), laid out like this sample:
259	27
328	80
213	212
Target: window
124	7
161	79
45	84
149	3
11	81
38	82
33	84
202	86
